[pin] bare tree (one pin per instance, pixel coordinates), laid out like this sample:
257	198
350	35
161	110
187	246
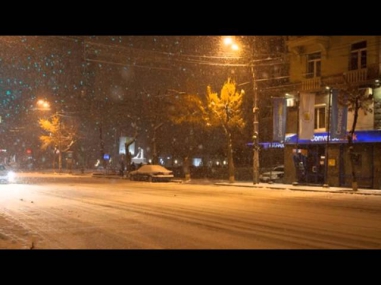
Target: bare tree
355	99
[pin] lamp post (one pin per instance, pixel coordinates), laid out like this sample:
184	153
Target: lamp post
228	41
255	128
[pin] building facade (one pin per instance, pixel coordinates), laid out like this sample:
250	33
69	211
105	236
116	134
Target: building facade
318	65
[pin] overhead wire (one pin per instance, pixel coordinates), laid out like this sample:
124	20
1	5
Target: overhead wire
204	60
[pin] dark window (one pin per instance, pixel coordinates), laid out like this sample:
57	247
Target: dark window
358	56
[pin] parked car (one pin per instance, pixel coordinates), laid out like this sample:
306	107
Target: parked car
151	173
6	174
275	175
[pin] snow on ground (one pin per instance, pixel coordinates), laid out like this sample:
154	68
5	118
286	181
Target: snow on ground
82	212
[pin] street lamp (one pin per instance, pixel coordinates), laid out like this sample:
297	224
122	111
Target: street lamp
229	41
43	105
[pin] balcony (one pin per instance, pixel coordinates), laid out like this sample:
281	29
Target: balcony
297	44
357	76
311	84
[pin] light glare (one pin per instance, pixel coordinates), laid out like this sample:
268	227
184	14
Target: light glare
228	41
235	47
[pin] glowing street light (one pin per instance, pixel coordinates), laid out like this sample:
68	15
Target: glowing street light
43	105
229	42
235	47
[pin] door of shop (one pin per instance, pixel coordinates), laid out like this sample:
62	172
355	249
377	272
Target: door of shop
315	164
310	163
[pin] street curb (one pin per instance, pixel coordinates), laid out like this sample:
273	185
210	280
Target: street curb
325	190
335	191
269	186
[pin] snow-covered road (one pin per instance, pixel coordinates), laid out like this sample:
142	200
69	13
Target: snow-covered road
91	213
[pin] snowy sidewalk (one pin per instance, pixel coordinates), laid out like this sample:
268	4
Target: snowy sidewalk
277	186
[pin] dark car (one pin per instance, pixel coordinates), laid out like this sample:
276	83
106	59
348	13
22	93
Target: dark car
151	173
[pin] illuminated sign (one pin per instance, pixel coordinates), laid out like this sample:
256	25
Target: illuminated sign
318	138
267	145
122	148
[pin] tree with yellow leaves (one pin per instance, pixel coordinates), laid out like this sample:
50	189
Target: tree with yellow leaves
60	136
215	110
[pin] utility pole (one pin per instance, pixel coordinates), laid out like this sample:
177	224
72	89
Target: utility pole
255	123
326	185
59	145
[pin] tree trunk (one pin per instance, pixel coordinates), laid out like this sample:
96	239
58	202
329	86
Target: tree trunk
351	153
186	169
352	156
128	156
54	160
230	160
60	162
102	147
155	158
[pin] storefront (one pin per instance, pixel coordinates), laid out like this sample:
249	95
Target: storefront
306	162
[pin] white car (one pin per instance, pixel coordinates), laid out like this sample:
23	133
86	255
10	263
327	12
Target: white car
6	174
275	175
151	173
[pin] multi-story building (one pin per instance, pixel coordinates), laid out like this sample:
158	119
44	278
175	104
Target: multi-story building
319	64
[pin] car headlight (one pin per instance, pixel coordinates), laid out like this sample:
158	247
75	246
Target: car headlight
11	175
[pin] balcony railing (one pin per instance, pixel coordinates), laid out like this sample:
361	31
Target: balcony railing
311	84
355	76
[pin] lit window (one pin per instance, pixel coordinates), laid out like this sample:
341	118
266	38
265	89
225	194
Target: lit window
290	102
320	117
